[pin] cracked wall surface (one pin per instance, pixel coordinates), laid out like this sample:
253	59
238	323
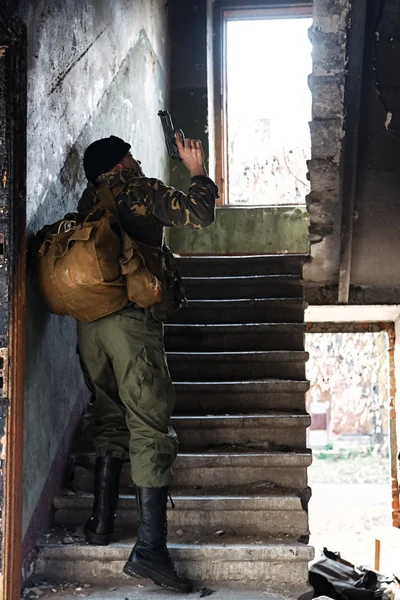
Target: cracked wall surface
374	276
94	69
327	82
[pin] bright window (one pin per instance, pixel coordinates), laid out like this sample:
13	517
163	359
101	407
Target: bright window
268	106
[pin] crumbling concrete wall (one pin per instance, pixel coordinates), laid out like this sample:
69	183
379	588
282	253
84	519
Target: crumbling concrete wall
374	278
95	68
329	37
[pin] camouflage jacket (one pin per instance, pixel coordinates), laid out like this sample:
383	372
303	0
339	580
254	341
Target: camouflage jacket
147	205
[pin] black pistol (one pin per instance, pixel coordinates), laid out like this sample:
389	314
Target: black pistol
169	134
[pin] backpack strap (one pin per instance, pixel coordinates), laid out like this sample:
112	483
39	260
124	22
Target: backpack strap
107	200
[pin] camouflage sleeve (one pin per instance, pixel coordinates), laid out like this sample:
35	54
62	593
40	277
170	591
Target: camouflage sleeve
173	208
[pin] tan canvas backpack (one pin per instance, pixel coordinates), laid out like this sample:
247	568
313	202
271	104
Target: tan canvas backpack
87	267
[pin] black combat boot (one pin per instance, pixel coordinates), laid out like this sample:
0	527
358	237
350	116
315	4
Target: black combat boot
99	527
150	558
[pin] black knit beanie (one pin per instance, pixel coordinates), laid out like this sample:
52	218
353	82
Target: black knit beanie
103	155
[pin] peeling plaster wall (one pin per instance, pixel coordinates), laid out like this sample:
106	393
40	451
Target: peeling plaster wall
95	68
253	230
328	36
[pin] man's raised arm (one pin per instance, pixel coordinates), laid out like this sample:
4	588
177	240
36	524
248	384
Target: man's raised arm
194	210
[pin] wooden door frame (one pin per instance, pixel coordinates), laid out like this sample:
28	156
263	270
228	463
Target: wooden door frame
250	10
13	86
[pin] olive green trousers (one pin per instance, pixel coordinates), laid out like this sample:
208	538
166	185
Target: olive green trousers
124	363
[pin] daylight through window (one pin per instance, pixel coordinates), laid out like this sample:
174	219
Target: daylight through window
268	110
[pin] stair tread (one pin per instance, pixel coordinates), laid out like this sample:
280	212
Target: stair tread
282	278
144	588
246	453
284	385
234	545
237	301
211	327
272	353
243	257
273	458
269	498
261	489
247	420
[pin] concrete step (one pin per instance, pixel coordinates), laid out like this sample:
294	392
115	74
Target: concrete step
237	397
252	286
267	431
254	336
224	366
141	589
276	565
250	310
273	264
281	511
214	469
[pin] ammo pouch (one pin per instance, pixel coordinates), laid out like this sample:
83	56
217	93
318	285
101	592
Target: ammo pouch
175	292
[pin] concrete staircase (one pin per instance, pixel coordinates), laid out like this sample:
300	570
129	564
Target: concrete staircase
237	358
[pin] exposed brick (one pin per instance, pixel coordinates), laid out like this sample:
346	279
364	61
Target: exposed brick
331	16
323	175
327	83
327	96
326	136
329	52
322	210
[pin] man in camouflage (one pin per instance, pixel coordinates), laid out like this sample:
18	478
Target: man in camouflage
123	358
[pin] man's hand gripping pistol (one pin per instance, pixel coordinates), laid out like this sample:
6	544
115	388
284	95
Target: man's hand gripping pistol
169	134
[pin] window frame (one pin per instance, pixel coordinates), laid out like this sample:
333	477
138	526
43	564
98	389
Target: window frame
224	11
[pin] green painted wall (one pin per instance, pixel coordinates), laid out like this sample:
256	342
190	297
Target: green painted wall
246	230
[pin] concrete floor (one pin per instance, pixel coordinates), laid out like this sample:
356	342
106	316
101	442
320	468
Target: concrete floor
343	517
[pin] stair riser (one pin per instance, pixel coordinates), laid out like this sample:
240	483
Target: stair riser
191	341
207	522
199	439
274	575
216	477
220	315
240	267
233	370
217	290
231	476
203	403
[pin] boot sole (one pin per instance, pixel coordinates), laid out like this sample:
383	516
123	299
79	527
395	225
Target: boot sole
97	539
140	571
